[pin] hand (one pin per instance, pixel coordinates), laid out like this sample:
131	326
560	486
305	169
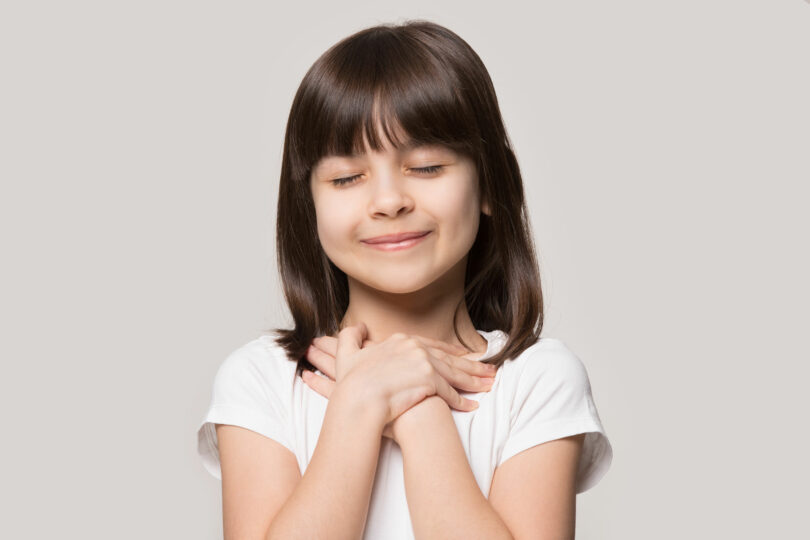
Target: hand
462	373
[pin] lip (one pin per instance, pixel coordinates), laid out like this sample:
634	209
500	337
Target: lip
395	238
408	242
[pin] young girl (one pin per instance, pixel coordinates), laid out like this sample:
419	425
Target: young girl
414	397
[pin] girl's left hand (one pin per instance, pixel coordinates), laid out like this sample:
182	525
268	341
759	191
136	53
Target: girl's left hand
460	372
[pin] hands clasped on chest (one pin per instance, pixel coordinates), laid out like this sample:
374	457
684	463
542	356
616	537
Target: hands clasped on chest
395	375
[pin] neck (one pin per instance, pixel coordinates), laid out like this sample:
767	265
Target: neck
428	312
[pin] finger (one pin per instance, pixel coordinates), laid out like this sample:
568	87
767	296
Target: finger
460	379
475	367
320	384
321	360
328	344
472	367
322	355
450	353
453	398
350	339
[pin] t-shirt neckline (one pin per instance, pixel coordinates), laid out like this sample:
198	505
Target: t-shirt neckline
496	339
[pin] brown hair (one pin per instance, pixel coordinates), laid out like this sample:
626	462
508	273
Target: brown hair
426	80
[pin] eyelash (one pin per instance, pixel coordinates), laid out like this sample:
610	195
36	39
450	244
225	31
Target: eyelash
348	180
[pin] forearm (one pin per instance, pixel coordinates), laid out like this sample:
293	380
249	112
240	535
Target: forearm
444	499
332	498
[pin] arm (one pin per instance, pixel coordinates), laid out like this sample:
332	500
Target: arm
443	497
332	498
535	491
532	495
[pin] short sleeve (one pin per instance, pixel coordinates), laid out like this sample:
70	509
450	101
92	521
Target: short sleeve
553	400
248	391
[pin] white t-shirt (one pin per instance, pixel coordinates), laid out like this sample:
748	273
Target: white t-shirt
542	395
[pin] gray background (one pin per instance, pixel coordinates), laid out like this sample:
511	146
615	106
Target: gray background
664	147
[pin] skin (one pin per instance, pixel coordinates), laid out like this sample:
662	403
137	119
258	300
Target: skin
413	291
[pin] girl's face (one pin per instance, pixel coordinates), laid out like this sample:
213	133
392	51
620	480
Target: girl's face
419	189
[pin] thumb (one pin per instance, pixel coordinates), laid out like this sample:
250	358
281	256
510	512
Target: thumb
350	339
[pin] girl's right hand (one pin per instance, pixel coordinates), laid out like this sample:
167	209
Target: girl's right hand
402	370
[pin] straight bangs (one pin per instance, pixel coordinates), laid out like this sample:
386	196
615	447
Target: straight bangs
380	85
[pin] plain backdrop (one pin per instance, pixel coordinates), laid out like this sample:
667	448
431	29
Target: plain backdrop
665	148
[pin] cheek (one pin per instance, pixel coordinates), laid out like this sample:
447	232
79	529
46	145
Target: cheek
457	208
336	223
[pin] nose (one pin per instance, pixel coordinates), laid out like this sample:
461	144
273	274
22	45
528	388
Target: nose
389	196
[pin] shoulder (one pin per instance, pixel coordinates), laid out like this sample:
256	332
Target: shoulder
549	367
550	355
262	353
260	362
552	399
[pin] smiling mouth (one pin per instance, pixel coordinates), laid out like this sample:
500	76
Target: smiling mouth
396	246
392	238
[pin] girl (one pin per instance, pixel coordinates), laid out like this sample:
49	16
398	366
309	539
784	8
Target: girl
414	397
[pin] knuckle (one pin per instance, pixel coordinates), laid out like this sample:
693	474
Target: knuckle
427	390
421	353
426	368
461	376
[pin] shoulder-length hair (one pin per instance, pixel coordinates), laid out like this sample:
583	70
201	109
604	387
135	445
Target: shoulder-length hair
424	80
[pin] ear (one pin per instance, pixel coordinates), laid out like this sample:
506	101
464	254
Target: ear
485	207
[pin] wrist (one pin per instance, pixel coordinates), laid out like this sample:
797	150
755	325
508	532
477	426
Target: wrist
413	419
362	403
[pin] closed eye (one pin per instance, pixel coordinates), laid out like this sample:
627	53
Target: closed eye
341	181
350	179
428	170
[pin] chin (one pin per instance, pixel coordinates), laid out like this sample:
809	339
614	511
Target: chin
394	285
398	288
